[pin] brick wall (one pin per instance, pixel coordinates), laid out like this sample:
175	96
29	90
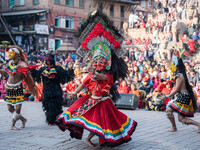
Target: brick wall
43	4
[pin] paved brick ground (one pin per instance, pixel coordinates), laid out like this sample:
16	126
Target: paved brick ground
150	134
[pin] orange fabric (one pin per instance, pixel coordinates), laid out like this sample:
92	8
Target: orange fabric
136	92
39	92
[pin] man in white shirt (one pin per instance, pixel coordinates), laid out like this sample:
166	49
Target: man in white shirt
130	20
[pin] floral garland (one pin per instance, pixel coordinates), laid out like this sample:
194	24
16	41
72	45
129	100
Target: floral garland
100	31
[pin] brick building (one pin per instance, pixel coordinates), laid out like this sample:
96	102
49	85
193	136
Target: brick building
46	24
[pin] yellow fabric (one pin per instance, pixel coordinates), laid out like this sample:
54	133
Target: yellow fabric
188	108
14	99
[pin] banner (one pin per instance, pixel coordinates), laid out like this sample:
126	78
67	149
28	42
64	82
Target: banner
62	24
52	44
41	29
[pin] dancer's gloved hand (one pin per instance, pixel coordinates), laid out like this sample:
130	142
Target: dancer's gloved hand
72	95
91	70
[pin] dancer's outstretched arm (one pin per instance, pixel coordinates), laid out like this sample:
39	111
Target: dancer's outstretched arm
78	89
2	71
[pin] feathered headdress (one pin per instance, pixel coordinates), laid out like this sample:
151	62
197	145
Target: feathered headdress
98	34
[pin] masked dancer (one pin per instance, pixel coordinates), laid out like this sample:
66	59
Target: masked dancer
185	103
96	112
17	70
51	76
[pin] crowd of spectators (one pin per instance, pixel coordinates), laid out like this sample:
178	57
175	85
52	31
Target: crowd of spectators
147	78
170	29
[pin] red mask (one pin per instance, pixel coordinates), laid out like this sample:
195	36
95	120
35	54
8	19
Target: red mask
100	63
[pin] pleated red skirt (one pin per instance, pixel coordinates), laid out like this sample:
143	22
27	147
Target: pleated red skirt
104	120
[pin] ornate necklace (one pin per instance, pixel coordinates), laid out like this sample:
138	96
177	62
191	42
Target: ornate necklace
16	63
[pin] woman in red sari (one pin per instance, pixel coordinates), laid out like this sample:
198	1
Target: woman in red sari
123	88
96	112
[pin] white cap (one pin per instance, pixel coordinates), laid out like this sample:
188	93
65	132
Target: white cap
15	50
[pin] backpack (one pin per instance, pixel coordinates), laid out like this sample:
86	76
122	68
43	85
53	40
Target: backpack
159	5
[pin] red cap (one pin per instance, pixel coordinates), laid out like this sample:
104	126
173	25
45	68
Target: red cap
145	79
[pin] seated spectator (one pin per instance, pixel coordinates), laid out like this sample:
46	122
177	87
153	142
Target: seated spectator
148	89
134	90
123	88
197	95
156	103
77	71
69	59
142	25
145	71
129	83
165	88
2	86
136	82
163	73
148	77
151	72
193	76
156	80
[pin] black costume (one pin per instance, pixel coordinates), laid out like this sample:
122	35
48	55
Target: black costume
52	76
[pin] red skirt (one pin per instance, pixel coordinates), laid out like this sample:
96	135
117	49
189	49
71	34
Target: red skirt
104	120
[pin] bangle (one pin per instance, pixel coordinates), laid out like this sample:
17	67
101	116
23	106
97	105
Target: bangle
96	73
74	93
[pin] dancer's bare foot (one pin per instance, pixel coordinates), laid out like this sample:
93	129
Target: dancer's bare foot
50	124
14	128
172	129
23	123
198	129
90	143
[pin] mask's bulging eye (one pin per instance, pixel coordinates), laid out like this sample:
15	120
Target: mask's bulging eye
101	62
95	62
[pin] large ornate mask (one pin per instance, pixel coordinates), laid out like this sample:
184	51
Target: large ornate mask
11	53
101	56
100	63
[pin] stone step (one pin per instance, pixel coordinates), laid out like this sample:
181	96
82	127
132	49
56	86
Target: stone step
174	44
